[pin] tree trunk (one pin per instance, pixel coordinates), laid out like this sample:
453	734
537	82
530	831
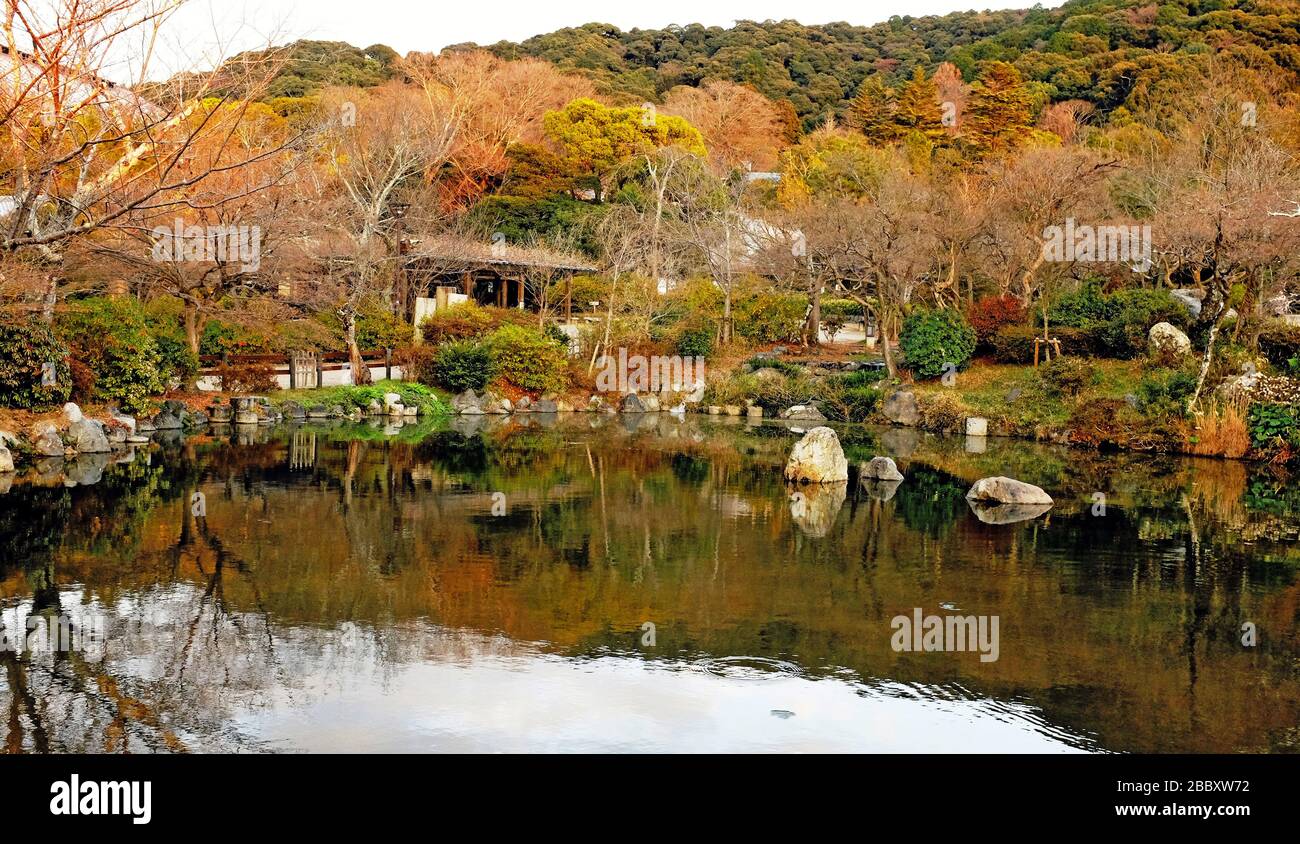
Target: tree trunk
191	312
815	314
726	316
192	332
890	366
51	299
360	372
1208	357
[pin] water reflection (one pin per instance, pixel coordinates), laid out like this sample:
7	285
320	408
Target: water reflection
484	584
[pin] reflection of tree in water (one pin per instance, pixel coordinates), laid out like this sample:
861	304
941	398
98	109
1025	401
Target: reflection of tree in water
304	577
931	501
455	452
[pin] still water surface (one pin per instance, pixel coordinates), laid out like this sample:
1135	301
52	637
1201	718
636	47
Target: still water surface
624	584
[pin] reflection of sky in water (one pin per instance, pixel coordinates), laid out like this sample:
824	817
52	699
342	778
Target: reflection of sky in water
532	701
420	687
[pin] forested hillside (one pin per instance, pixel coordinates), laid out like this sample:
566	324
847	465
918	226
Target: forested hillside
1109	53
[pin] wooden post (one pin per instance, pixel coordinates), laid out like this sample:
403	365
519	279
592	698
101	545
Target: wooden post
568	299
320	373
519	287
388	364
293	371
468	281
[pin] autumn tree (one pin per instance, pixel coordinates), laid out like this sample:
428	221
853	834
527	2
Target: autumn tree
1028	196
597	139
1214	202
999	117
741	128
80	152
377	169
916	108
496	104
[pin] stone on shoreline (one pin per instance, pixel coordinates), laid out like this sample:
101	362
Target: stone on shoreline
46	441
803	413
900	408
166	421
86	436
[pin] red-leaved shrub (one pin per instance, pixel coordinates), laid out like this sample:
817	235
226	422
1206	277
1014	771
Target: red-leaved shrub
992	313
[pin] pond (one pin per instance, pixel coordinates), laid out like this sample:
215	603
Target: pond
584	583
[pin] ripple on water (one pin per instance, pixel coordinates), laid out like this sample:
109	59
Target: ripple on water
749	668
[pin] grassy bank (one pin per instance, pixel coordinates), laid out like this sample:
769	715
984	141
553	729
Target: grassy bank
430	400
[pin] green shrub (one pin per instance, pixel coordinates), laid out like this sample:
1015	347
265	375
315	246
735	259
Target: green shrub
529	359
379	328
1271	424
781	366
844	398
1280	344
1124	334
695	341
770	317
1015	344
110	336
863	377
553	331
24	350
1065	376
463	365
1119	321
413	395
1082	307
1164	393
930	339
733	389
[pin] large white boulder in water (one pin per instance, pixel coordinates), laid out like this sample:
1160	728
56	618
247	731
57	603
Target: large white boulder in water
818	459
1000	490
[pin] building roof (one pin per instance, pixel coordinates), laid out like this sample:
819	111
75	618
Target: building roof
455	252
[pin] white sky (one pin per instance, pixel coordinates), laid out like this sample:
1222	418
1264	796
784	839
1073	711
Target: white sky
207	29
